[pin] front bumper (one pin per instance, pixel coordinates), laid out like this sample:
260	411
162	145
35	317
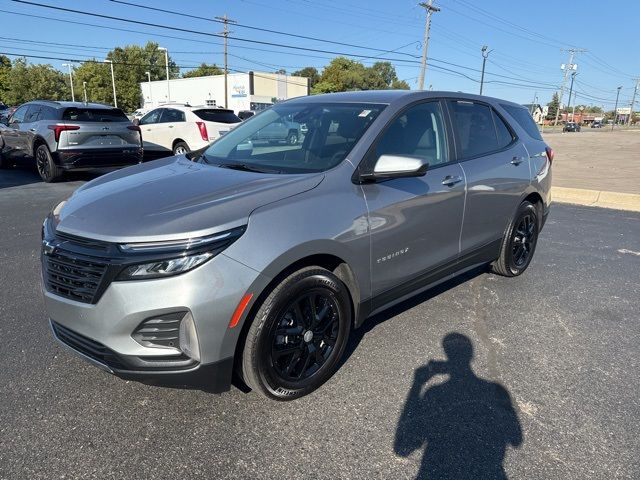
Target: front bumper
77	159
101	333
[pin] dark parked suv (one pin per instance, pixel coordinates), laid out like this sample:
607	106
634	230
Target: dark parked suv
70	136
262	258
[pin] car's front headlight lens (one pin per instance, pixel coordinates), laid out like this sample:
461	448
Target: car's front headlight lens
164	268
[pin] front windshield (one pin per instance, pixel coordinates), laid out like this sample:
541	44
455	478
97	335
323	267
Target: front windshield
295	138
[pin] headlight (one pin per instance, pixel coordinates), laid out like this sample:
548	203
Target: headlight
173	257
164	268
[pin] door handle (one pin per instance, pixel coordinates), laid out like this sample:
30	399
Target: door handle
170	126
450	180
32	129
517	160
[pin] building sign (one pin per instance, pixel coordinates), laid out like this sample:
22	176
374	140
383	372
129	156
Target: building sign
239	91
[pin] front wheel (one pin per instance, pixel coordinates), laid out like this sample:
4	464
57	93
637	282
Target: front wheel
519	243
292	138
298	335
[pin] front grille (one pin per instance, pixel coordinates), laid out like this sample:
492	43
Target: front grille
84	242
88	347
73	277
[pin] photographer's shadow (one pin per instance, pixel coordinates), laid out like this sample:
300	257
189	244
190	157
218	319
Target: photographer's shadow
464	424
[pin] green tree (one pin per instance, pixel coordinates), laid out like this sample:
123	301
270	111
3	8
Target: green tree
308	72
5	71
204	70
343	74
25	82
97	76
553	105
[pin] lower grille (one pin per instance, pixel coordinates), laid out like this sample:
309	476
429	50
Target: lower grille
88	347
72	277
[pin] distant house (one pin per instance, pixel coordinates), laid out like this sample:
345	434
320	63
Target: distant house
537	112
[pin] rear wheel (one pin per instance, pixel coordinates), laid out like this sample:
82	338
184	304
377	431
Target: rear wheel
519	243
298	335
292	138
47	169
180	148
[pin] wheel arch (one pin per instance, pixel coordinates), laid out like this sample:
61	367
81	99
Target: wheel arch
37	141
176	141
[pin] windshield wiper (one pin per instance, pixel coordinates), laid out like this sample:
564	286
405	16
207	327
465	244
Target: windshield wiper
246	168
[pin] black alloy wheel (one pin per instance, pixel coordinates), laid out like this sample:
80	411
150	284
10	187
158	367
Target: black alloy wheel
304	336
47	169
519	242
298	335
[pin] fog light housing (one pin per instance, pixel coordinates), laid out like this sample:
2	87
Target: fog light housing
189	338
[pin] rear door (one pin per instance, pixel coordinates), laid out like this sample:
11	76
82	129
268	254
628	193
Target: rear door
98	128
149	125
415	222
496	168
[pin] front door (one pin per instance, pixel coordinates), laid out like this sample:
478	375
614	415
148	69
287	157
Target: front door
415	222
149	128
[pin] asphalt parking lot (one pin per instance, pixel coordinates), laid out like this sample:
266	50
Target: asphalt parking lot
552	391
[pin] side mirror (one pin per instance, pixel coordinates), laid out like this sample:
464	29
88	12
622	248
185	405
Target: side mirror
396	166
136	121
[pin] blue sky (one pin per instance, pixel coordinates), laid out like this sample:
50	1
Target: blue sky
525	38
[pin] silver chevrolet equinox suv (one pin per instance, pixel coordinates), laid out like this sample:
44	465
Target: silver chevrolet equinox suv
63	136
256	261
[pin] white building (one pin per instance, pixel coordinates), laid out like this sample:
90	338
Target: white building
246	91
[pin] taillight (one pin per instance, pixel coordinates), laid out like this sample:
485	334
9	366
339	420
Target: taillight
57	129
203	130
550	154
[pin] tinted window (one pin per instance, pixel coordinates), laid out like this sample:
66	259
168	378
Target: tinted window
217	115
19	114
418	132
94	115
152	117
524	119
505	137
170	115
48	113
32	114
474	128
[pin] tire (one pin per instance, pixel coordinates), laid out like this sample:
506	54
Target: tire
285	318
519	242
47	169
292	138
180	148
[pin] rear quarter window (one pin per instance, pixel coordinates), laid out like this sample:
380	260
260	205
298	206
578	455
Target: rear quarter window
217	115
524	119
94	115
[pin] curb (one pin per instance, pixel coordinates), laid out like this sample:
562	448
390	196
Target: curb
597	198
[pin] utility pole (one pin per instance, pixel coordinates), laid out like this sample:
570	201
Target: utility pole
533	103
615	109
73	97
573	76
113	83
485	55
425	46
166	64
226	20
84	90
633	99
566	68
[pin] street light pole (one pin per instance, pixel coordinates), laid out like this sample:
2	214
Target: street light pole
166	64
149	83
485	55
84	90
615	109
73	97
113	83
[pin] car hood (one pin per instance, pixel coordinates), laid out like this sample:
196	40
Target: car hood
173	198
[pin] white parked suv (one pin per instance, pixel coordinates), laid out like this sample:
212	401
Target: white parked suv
180	128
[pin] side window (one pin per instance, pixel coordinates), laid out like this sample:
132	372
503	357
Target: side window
171	115
419	132
19	114
152	117
474	127
32	114
524	119
505	137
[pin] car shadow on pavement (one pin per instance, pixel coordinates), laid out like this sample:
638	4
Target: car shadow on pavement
464	424
18	175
